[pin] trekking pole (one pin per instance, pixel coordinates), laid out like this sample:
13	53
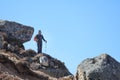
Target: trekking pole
46	47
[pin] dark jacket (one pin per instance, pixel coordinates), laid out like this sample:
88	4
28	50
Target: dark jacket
40	38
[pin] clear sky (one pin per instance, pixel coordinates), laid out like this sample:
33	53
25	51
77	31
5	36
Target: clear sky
75	29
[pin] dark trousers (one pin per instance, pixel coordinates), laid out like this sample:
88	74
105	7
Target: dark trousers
39	45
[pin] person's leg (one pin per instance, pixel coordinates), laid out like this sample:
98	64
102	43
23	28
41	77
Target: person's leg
38	47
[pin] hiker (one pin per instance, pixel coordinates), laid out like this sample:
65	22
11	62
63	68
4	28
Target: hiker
38	38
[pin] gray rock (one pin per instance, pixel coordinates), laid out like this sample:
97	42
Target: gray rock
28	53
1	41
16	31
51	66
70	77
44	61
103	67
35	66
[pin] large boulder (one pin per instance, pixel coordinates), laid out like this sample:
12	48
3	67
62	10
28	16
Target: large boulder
103	67
15	31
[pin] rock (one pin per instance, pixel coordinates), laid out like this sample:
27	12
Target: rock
13	35
70	77
103	67
16	67
2	39
16	32
25	64
7	76
54	67
4	45
22	67
28	53
35	66
44	61
30	67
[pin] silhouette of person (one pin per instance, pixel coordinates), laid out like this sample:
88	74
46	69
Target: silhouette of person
38	38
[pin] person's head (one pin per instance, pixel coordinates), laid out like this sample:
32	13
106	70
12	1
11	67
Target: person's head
39	32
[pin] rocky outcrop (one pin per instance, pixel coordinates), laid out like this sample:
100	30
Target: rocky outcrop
103	67
13	35
16	63
25	64
30	68
16	31
55	67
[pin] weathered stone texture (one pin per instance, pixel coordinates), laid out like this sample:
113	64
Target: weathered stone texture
103	67
16	31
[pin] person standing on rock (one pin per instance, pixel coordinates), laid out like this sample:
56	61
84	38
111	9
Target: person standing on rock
38	38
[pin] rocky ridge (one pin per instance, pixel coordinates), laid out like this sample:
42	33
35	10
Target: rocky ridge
16	63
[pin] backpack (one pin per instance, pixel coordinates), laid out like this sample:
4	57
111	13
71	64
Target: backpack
35	38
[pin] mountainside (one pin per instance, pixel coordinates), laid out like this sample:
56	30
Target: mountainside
29	68
16	63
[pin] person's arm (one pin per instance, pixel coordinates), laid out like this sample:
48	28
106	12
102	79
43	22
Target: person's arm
44	39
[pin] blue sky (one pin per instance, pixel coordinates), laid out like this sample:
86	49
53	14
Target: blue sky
75	29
